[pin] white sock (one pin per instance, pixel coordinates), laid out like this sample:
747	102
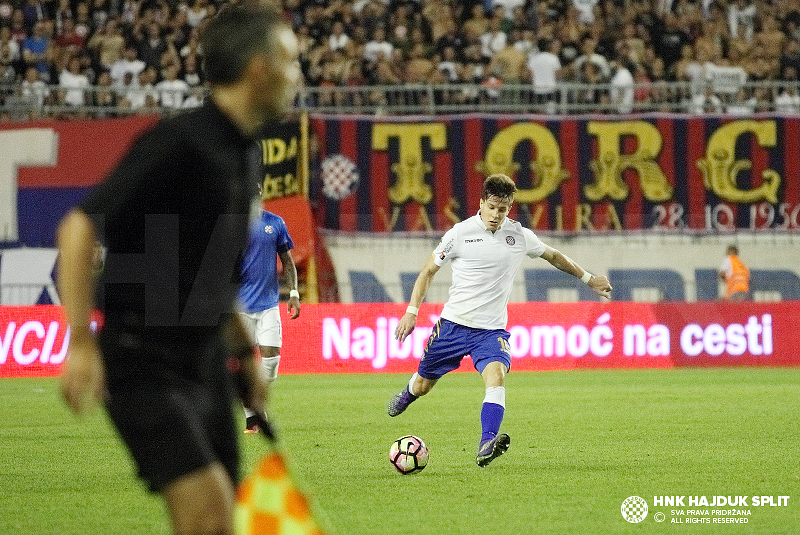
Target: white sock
496	395
411	384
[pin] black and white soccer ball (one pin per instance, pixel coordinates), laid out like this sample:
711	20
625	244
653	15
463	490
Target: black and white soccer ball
409	454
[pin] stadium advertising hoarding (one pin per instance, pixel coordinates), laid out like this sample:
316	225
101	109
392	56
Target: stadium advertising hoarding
659	172
335	338
33	341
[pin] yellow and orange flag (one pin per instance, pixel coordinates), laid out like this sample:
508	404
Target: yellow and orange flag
268	501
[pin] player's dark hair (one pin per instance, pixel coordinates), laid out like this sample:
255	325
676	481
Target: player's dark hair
234	36
732	249
499	185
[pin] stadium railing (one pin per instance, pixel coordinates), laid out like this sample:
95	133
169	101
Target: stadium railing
18	102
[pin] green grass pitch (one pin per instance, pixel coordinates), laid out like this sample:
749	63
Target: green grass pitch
582	442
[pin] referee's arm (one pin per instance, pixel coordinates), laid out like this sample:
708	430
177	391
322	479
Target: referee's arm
83	376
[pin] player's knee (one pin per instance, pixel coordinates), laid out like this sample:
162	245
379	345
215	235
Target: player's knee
494	374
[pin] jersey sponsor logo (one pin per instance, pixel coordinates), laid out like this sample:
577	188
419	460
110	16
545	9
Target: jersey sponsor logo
269	229
510	240
478	240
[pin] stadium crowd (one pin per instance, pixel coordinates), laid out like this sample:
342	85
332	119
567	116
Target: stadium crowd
143	55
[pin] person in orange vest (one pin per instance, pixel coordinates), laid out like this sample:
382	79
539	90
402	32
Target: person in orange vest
736	276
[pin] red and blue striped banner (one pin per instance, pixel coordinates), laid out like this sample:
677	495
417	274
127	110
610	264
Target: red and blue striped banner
663	172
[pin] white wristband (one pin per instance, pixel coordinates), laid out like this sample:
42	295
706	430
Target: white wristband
412	310
294	293
586	277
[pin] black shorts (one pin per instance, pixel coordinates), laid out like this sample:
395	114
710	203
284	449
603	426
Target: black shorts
174	421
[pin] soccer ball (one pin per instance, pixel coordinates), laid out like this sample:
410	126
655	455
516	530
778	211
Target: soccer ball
408	455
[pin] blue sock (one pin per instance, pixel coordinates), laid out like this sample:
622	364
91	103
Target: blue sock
491	418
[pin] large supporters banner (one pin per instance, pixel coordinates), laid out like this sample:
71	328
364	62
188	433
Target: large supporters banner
381	174
357	338
661	172
47	167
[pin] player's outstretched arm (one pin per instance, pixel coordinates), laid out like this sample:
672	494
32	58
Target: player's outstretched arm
598	283
423	282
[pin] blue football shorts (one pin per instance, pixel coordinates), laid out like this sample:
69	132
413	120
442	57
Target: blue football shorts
450	342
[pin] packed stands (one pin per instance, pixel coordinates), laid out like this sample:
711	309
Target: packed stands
67	58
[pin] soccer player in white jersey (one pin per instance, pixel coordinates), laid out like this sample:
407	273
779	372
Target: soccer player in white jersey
485	250
267	240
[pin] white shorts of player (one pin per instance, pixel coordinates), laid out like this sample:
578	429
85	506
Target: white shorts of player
264	327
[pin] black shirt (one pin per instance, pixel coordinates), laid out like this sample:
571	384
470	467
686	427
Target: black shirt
173	216
668	45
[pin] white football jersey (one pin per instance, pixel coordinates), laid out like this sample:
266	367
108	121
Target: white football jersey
484	266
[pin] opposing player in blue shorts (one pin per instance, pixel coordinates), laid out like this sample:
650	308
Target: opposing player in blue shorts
485	250
259	293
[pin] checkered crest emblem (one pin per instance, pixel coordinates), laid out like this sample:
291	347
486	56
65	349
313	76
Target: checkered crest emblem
634	509
339	177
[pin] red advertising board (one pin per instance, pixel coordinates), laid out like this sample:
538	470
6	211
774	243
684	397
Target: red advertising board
357	338
33	341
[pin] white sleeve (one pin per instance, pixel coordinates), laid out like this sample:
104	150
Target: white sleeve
446	250
534	247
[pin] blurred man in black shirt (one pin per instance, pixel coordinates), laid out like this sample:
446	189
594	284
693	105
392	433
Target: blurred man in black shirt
173	216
